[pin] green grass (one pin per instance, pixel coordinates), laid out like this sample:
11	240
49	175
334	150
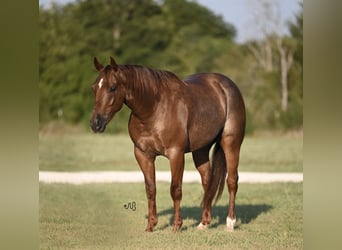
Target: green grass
270	216
87	151
93	217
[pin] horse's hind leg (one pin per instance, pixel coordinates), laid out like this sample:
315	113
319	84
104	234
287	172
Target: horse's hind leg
230	144
202	163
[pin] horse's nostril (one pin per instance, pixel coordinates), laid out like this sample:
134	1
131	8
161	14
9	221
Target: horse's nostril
97	122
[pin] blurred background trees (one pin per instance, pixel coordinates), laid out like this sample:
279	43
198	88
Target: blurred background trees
176	35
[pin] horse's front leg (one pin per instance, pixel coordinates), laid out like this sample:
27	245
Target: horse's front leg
146	163
177	169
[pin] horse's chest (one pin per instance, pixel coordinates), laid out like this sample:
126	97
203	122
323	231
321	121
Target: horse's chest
147	138
150	145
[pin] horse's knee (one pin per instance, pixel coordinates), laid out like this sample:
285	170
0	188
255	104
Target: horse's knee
176	191
150	192
232	182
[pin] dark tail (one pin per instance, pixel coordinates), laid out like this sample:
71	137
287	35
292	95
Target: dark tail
217	177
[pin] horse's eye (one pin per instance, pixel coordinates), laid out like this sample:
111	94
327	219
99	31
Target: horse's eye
112	89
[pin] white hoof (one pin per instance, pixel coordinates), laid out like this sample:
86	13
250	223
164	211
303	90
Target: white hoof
202	227
230	224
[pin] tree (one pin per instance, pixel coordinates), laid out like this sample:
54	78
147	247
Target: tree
265	21
275	51
286	50
175	35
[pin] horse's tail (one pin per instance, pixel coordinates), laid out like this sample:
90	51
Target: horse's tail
217	176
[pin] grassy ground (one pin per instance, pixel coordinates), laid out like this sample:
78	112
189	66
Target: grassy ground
93	217
87	151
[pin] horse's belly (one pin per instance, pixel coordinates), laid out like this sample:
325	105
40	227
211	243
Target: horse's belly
207	111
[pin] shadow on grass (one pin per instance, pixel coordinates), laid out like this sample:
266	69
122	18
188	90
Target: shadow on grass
245	214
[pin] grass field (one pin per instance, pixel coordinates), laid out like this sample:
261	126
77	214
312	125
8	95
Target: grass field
270	216
87	151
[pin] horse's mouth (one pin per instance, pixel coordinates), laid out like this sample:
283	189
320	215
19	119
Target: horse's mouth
99	130
98	125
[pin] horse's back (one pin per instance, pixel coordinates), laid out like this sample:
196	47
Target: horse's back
222	85
214	80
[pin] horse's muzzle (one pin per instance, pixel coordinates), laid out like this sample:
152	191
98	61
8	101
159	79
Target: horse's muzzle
98	124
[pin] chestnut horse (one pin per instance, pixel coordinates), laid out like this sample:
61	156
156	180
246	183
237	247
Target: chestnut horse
171	117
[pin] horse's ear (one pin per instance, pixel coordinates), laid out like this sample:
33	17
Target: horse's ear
97	65
113	63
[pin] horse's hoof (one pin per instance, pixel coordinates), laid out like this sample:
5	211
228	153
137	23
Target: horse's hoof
149	230
202	227
176	228
230	224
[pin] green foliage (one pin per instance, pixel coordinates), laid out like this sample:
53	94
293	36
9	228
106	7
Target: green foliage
177	35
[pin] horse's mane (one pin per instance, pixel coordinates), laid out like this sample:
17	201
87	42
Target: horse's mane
145	79
142	74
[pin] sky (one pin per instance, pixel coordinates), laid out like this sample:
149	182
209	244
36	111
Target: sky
241	14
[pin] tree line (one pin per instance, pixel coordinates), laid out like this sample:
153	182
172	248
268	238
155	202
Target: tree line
176	35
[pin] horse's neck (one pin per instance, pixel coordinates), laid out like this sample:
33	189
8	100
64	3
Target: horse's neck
141	92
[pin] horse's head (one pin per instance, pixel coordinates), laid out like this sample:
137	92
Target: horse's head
109	95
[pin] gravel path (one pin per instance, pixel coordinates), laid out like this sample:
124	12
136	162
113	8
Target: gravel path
161	176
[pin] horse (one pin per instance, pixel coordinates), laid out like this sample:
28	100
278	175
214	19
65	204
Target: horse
171	117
